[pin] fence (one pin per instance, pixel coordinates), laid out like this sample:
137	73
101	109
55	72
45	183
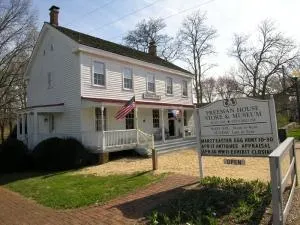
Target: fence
279	184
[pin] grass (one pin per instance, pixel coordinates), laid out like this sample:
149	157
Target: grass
216	201
66	190
294	133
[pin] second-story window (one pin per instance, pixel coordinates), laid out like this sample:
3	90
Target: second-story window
99	74
50	80
150	82
184	88
169	85
127	78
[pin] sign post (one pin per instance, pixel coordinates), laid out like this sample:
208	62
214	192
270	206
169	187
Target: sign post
198	135
237	127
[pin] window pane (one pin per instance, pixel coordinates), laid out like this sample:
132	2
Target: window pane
98	121
130	120
184	88
127	73
169	86
155	114
151	87
127	83
98	67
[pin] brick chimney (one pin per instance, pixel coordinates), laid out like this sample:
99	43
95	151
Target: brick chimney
152	48
54	10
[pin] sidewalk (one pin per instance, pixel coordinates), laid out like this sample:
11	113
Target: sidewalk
130	209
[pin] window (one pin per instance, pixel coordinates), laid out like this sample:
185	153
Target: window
155	114
50	80
184	118
51	123
127	78
100	125
169	85
130	120
99	74
184	88
150	83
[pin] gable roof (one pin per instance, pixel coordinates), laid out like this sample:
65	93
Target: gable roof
108	46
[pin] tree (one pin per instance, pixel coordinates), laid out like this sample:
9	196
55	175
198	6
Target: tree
197	45
227	87
17	38
148	31
261	59
209	89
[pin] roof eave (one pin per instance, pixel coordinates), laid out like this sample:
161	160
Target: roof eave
106	54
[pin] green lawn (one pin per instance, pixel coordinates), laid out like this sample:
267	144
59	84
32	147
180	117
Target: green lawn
216	201
294	133
66	190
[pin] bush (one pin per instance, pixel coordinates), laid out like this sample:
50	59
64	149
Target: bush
13	156
59	154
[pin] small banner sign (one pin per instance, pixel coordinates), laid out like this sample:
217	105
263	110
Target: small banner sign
235	161
238	127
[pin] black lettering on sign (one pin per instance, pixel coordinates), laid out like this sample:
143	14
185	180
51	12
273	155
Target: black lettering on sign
235	161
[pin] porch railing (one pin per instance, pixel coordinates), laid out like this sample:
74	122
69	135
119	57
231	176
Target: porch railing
146	139
117	139
189	131
114	138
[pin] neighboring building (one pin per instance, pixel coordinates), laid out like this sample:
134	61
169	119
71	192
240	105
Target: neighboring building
77	83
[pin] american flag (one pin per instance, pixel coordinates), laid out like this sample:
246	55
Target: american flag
127	108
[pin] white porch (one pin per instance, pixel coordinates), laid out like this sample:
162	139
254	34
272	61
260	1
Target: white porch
37	124
144	128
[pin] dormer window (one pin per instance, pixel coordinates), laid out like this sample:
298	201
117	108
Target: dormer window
150	82
99	74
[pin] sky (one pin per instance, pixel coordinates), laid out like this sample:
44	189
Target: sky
111	19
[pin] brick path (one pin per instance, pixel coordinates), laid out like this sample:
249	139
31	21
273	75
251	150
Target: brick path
130	209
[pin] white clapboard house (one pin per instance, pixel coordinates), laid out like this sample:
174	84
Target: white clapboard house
77	83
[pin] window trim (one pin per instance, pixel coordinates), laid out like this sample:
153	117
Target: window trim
124	88
169	94
154	82
187	91
93	73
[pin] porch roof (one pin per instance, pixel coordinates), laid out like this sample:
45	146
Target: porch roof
51	108
88	102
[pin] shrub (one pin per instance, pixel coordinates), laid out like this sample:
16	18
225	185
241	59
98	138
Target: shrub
13	156
59	154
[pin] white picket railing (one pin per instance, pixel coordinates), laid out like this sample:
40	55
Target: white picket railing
113	138
146	139
189	131
279	183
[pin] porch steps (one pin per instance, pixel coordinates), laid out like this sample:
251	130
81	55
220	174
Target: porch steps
173	145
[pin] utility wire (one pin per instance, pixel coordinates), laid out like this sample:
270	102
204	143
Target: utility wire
126	15
90	12
174	14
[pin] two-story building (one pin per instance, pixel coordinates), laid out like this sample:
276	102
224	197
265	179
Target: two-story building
77	83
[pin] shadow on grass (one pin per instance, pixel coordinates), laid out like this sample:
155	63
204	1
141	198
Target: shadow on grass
12	177
231	202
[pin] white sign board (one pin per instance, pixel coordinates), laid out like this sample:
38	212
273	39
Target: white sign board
238	127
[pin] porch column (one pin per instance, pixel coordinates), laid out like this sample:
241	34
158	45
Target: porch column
162	125
182	123
102	128
18	126
35	128
136	124
23	126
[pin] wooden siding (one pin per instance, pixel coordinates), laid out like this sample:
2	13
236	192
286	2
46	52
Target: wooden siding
64	65
114	82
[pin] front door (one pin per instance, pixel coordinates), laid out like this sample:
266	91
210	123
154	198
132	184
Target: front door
172	128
